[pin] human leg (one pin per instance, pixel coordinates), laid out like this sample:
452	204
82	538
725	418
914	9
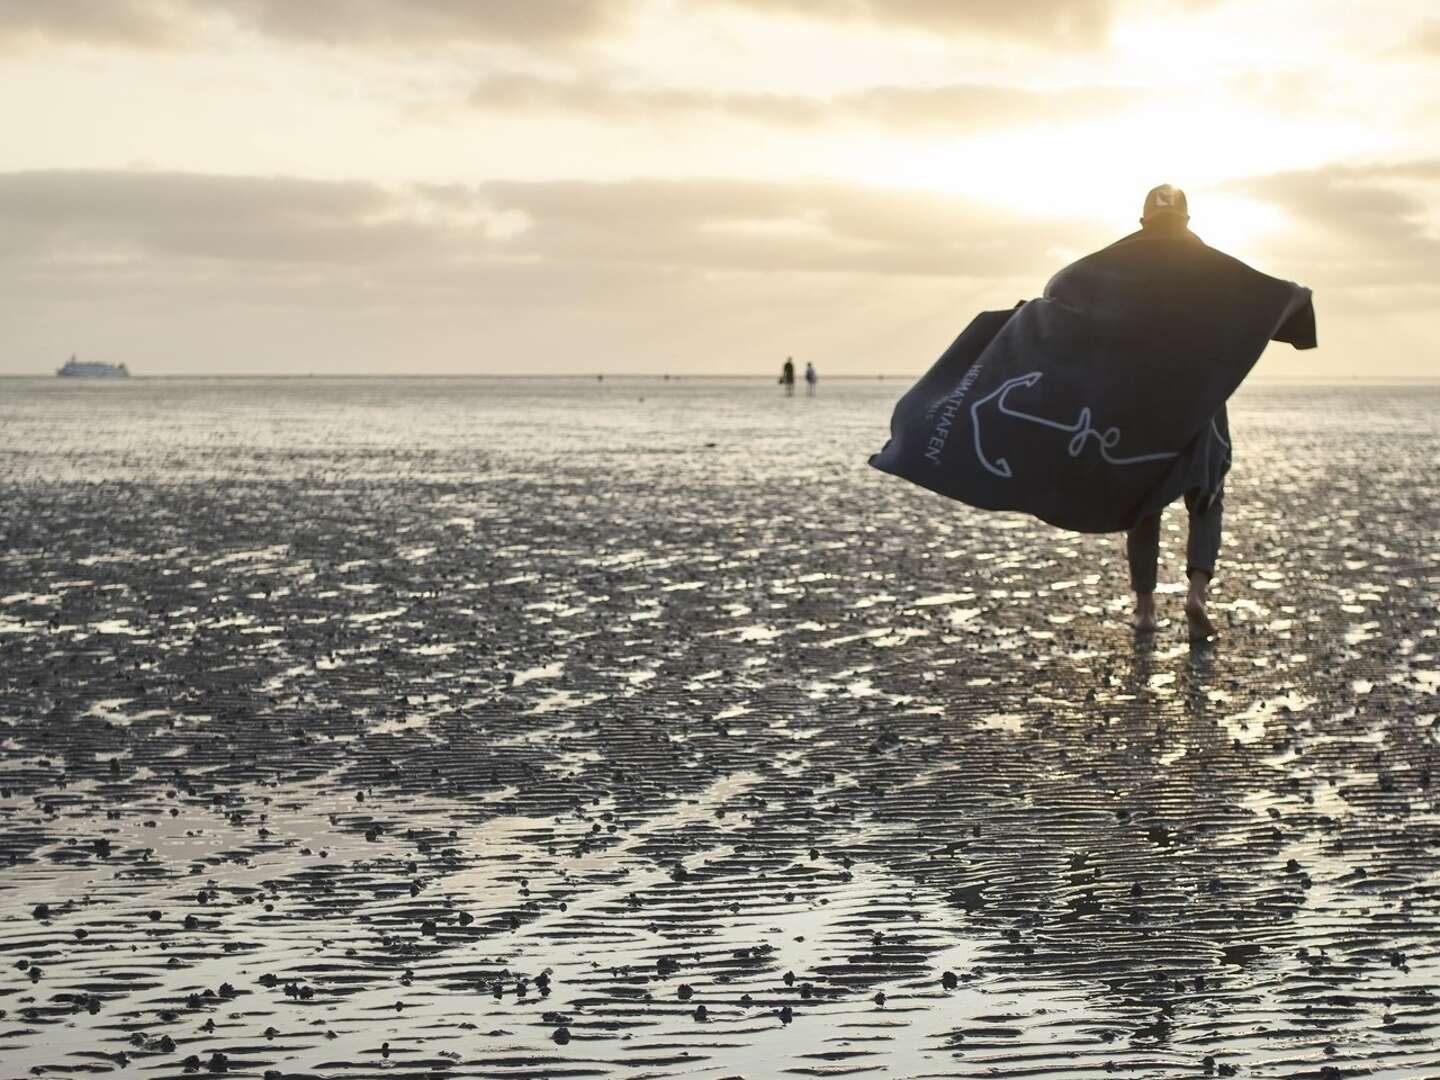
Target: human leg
1201	551
1142	550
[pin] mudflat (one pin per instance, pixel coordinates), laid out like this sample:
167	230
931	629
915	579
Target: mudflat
496	728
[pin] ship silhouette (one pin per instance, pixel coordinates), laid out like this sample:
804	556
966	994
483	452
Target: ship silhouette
75	369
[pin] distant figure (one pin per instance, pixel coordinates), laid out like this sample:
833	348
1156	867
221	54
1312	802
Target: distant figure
1097	404
810	378
787	376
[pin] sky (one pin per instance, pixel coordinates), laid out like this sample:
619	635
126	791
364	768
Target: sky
687	186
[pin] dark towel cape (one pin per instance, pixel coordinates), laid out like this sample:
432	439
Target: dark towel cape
1104	400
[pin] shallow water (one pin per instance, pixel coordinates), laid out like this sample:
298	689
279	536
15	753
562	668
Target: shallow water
337	713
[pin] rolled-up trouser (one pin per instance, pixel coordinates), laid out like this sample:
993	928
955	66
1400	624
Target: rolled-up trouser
1142	543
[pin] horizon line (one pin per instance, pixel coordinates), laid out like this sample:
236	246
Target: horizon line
1304	379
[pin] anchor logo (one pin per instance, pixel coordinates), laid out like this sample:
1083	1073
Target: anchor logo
1079	431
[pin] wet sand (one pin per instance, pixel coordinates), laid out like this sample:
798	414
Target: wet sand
426	729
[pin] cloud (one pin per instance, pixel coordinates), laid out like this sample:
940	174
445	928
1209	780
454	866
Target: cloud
1354	227
167	23
1378	217
218	270
591	96
766	227
1427	36
1364	236
125	218
1075	21
147	23
178	272
421	21
956	106
227	272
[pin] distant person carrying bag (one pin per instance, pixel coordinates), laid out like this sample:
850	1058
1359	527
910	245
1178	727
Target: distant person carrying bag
787	376
1101	402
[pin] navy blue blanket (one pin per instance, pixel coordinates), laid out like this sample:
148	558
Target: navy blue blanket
1104	400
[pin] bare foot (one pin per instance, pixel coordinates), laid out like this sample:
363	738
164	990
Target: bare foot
1201	627
1196	616
1143	621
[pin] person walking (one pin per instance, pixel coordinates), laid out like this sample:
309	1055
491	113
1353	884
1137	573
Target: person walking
1166	213
787	376
810	378
1099	403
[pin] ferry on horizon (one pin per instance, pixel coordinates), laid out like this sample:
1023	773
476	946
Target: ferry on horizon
74	369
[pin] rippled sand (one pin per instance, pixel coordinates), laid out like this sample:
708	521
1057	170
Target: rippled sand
505	729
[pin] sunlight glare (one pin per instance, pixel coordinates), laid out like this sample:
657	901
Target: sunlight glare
1100	170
